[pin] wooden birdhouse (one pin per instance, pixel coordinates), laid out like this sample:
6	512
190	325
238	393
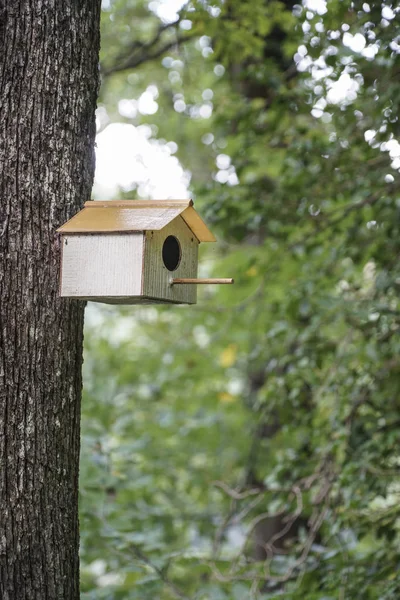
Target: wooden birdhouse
133	252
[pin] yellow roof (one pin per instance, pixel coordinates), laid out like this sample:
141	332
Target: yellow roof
135	215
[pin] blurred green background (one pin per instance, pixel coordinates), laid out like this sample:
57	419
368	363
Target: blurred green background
248	446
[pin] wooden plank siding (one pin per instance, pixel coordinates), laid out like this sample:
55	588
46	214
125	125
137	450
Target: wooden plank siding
157	278
102	266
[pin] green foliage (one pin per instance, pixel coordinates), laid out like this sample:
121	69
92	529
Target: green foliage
275	403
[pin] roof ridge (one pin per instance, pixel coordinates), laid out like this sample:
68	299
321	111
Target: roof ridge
119	216
138	203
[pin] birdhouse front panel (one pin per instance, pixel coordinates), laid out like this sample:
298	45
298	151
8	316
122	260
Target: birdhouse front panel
103	268
170	252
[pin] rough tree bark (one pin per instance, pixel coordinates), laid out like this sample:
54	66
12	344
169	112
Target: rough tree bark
48	88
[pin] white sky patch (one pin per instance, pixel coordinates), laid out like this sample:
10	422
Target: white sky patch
355	42
317	6
223	161
179	105
371	51
127	108
369	135
207	94
166	10
97	567
393	147
186	25
205	110
318	108
304	63
102	118
235	386
126	156
395	47
207	139
227	176
214	11
343	90
396	164
388	13
227	172
219	70
147	104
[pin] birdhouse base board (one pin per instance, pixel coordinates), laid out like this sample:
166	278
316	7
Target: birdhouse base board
129	300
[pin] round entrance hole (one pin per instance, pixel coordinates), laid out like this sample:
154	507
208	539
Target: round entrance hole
171	253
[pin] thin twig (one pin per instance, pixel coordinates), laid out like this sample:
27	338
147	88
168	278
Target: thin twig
160	572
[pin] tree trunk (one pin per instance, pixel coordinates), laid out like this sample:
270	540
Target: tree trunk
48	89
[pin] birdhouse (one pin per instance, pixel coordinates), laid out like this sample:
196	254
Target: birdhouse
133	252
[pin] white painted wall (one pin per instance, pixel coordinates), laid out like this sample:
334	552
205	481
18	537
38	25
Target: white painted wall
101	266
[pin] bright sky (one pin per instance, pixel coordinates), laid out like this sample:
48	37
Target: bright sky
129	156
126	155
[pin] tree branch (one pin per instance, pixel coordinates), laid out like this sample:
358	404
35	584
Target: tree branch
140	52
160	572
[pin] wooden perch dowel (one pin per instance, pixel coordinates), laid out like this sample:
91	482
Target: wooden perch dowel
200	281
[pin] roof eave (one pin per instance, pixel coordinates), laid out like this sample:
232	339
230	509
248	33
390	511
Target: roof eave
184	208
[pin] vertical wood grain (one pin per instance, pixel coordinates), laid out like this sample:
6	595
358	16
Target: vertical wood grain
156	277
102	265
